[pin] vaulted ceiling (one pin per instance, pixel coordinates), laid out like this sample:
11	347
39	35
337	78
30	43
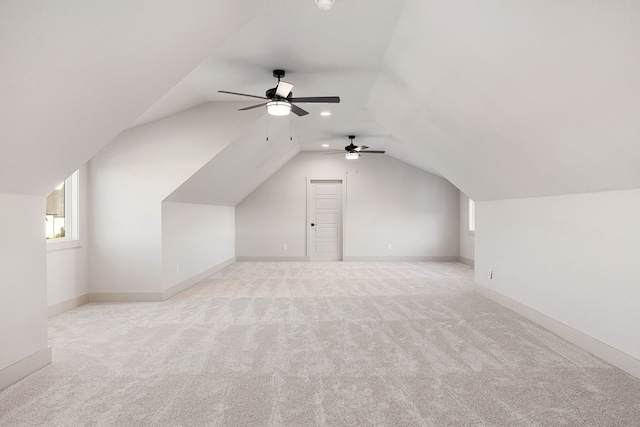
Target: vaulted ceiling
504	99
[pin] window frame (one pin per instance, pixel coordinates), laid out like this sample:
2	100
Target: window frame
71	213
471	216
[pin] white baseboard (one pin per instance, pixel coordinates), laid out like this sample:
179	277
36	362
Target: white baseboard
176	289
617	358
467	261
157	296
272	259
350	258
25	367
401	258
126	297
67	305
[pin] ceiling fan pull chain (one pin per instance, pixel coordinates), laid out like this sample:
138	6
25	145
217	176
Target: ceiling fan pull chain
266	120
290	129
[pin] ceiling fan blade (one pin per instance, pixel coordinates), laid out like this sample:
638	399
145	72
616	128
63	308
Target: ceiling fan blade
284	89
252	107
242	94
298	111
318	99
360	148
373	152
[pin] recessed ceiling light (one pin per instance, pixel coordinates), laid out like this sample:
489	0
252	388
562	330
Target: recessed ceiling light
325	113
325	145
324	4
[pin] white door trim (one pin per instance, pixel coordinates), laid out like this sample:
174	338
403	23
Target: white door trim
343	180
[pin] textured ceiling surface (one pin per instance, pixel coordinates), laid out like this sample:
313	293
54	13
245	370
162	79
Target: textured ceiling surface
504	99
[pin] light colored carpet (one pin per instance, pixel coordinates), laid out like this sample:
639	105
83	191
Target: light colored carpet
304	344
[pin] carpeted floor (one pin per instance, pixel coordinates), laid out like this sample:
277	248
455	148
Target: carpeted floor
305	344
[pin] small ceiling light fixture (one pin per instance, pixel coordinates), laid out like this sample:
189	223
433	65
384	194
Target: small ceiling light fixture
325	145
352	156
325	113
278	108
324	4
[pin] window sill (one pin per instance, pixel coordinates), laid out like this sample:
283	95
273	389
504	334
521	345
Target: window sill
65	244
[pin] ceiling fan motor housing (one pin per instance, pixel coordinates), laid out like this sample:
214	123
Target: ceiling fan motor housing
271	94
351	148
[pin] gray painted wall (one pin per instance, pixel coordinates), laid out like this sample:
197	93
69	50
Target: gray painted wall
388	201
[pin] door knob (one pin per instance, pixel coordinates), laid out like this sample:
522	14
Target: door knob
313	223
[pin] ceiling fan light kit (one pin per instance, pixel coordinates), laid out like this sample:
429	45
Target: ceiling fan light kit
324	4
352	156
278	108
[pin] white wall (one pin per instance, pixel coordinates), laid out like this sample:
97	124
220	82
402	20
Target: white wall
67	268
23	278
195	238
131	177
573	258
467	238
67	276
388	201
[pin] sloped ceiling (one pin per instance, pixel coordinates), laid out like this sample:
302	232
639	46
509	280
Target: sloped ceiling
516	99
241	166
504	99
74	74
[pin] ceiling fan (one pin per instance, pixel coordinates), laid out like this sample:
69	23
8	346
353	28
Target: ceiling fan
280	99
353	151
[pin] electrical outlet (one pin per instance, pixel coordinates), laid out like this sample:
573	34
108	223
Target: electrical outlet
389	246
490	275
284	247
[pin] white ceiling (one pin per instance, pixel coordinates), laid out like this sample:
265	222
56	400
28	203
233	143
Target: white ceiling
225	181
324	53
75	74
517	99
505	99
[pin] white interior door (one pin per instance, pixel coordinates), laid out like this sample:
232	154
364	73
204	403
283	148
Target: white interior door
325	216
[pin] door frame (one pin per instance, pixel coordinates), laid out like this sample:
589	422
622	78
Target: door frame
343	181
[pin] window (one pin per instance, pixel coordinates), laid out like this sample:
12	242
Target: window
62	211
472	216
